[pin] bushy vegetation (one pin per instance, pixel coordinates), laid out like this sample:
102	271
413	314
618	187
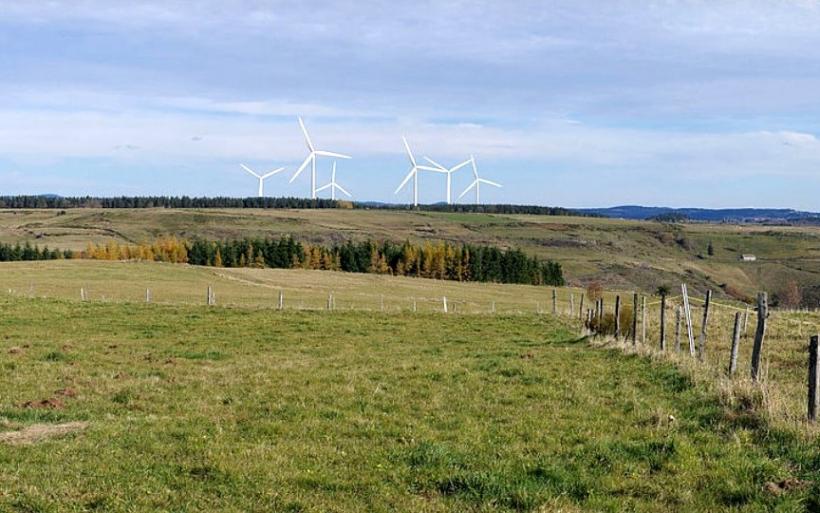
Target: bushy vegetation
17	253
441	260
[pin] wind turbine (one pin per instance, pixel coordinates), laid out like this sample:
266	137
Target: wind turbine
333	185
449	173
261	177
414	174
311	159
477	183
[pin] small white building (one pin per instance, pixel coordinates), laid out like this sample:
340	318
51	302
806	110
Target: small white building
747	258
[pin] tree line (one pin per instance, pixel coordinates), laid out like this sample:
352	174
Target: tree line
438	260
60	202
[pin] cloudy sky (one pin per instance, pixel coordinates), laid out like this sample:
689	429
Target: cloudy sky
575	103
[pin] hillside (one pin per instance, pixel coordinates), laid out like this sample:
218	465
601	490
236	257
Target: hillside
714	215
622	254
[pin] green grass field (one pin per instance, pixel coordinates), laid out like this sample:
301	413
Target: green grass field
190	408
621	254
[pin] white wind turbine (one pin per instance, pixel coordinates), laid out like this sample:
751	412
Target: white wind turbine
477	183
414	174
311	159
333	185
449	172
261	177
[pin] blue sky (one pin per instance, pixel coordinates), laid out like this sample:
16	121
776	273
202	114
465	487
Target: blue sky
572	103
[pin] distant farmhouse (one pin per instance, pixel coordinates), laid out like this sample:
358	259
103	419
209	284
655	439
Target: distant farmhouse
747	258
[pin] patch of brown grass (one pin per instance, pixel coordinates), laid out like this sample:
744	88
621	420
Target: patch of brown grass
39	432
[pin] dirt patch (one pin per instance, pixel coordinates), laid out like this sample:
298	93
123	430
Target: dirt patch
15	350
51	404
39	432
784	486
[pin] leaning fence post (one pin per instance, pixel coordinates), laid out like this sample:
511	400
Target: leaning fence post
702	345
735	345
687	311
554	302
281	299
617	317
814	376
760	332
634	318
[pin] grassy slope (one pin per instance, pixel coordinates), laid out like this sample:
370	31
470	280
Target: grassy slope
623	254
196	409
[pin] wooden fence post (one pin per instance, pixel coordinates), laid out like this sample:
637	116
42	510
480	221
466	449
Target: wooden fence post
663	323
444	303
746	322
414	304
814	375
617	317
330	301
677	328
735	345
687	311
281	299
147	295
703	328
760	333
554	302
635	318
601	311
581	307
571	304
643	320
210	295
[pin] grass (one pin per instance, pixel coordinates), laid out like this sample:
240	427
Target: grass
246	409
622	254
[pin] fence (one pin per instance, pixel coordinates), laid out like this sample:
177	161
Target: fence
768	346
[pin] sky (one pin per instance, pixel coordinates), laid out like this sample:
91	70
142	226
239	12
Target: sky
578	103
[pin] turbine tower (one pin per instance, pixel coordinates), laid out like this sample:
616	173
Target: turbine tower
261	177
311	159
449	173
333	185
414	174
477	183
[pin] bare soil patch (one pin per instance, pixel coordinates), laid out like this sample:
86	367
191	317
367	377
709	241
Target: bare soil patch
39	432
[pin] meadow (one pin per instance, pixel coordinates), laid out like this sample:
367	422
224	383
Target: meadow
191	408
620	254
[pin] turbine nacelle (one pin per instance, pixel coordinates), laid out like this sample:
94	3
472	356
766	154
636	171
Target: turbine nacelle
313	153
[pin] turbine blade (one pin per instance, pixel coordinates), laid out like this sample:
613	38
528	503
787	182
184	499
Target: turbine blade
342	189
302	167
428	159
475	183
272	173
406	179
489	182
323	187
475	168
428	168
331	154
456	168
409	153
307	137
249	170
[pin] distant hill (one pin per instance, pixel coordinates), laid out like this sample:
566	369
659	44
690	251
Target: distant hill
742	215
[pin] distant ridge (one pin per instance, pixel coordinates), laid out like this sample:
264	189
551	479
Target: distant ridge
749	215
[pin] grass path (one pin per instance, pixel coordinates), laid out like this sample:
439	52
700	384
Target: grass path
195	409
